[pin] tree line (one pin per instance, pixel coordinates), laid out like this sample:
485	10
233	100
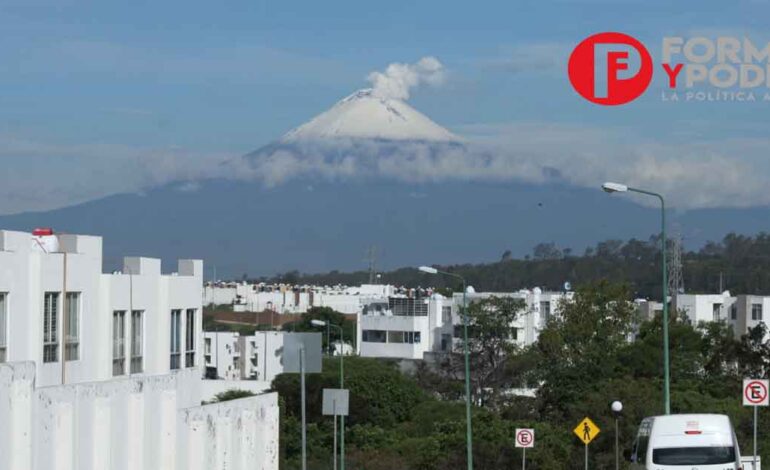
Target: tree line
738	263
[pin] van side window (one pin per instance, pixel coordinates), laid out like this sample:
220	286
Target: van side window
639	454
641	451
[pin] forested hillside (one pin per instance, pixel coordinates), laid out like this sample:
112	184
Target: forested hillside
738	263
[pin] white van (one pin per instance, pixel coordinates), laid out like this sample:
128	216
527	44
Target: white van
695	442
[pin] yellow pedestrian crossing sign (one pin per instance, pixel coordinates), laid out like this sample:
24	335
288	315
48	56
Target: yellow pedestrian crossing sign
587	431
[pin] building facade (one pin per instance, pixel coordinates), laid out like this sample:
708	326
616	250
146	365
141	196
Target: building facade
135	321
103	370
409	327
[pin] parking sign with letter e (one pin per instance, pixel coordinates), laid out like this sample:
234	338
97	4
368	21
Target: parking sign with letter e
755	392
525	438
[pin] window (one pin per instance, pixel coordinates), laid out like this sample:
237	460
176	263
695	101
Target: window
72	345
446	342
373	336
545	311
3	326
50	327
446	314
175	346
689	456
408	306
137	345
413	337
118	342
733	312
756	312
396	337
189	359
716	312
410	337
639	453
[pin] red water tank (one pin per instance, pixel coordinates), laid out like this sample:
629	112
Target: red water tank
42	231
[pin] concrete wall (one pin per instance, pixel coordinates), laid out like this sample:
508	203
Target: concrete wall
234	435
137	423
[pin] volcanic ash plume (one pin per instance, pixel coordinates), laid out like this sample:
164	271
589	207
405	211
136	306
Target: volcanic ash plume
398	79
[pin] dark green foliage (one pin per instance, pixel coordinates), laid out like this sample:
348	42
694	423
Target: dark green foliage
233	394
328	315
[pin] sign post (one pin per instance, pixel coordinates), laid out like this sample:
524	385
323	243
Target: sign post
755	394
525	439
335	403
586	431
302	353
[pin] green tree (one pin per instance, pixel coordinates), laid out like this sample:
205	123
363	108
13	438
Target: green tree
491	341
327	315
582	344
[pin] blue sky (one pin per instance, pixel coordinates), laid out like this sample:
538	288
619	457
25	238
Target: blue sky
116	96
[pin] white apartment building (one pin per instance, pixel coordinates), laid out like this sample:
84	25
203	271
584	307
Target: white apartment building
283	298
103	371
747	312
129	322
742	312
405	327
409	327
698	308
258	357
222	355
540	307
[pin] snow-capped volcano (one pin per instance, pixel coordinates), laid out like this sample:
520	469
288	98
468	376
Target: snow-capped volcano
364	135
364	115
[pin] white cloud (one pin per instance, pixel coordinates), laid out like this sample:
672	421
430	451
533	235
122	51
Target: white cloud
721	173
40	175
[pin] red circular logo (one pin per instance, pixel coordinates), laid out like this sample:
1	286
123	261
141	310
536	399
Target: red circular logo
599	68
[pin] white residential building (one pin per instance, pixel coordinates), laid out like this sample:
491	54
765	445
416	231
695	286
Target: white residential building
133	321
747	312
405	327
742	312
222	355
284	298
409	327
539	308
257	357
103	371
703	308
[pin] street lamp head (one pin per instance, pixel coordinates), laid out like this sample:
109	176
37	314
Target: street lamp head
614	187
317	322
617	406
428	269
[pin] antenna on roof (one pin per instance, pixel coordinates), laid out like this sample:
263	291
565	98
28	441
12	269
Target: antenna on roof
371	257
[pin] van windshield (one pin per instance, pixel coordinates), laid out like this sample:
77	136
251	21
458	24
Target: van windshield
693	455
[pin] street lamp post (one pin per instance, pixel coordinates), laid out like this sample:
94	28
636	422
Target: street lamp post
622	188
469	427
617	408
321	323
